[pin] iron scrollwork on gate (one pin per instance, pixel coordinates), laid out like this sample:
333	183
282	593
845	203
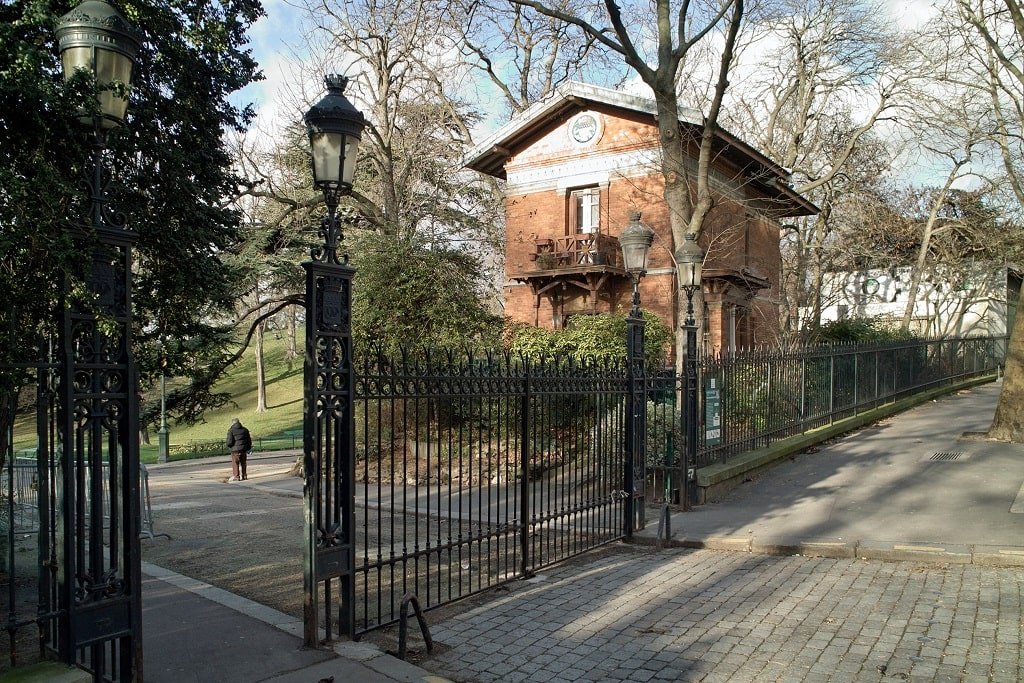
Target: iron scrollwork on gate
328	463
98	574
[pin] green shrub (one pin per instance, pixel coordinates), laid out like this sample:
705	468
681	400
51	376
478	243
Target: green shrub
601	337
861	331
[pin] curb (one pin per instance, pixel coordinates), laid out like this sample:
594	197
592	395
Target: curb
716	479
365	653
221	459
928	553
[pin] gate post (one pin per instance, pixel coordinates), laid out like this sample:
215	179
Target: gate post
98	574
689	264
98	563
525	449
636	422
328	440
635	242
328	423
690	414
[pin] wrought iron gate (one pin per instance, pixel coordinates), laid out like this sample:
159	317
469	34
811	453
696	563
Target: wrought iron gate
91	457
474	470
87	454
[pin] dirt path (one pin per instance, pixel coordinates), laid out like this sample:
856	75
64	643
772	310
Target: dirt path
234	536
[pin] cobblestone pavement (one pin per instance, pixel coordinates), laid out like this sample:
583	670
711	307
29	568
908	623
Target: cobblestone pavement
704	615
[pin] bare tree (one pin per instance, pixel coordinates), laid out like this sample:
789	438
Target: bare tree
808	65
398	54
654	41
525	54
526	47
999	24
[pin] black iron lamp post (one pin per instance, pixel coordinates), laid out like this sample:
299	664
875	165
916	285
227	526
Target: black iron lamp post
335	127
689	262
164	433
94	37
635	242
95	562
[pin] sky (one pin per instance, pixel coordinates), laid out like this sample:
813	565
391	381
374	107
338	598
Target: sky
278	43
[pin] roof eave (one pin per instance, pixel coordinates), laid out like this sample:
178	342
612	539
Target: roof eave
489	155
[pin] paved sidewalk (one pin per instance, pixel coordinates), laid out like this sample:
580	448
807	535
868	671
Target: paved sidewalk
878	493
767	613
707	615
195	632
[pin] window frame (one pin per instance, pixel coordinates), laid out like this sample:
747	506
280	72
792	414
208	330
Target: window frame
579	206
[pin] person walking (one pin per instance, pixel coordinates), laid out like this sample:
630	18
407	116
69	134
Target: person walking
240	443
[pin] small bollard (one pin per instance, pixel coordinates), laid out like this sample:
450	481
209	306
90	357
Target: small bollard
403	625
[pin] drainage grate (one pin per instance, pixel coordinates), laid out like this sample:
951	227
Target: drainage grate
946	456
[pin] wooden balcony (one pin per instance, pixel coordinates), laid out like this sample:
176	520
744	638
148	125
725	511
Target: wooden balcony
574	254
591	263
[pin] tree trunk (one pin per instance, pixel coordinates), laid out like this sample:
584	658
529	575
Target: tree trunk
916	273
1008	423
261	372
926	239
814	291
8	404
292	352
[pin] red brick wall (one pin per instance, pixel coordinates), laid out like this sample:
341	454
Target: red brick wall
734	236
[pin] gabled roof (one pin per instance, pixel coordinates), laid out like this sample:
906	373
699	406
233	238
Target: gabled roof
490	154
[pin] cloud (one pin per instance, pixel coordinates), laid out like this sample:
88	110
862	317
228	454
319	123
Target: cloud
278	45
909	15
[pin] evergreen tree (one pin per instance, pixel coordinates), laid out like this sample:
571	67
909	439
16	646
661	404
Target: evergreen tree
172	177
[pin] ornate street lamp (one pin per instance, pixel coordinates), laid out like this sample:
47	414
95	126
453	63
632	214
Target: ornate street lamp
97	569
95	38
689	262
635	241
335	127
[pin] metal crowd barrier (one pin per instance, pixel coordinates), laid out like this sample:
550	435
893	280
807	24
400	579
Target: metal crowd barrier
19	486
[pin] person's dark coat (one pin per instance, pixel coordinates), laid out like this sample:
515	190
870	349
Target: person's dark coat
239	440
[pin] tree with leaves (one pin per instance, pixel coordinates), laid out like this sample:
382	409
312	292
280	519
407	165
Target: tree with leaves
173	177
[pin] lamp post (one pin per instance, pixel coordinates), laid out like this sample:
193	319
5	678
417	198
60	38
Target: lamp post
164	433
689	261
334	127
97	563
635	242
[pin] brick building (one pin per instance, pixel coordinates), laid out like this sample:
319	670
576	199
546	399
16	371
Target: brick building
577	163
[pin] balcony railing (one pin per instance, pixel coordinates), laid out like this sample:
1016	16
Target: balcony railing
576	252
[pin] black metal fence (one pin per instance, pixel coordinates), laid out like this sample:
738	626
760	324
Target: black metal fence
474	470
29	528
765	395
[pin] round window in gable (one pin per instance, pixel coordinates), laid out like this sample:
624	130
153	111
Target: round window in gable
584	128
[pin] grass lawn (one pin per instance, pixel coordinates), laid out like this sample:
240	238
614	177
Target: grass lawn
280	426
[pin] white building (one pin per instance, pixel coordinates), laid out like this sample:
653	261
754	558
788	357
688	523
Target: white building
974	302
